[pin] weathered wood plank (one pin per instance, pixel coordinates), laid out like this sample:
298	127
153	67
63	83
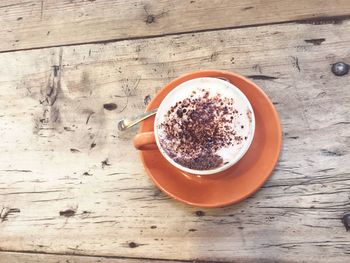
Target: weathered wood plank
41	23
75	185
13	257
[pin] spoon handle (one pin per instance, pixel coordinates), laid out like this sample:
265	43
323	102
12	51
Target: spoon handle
129	122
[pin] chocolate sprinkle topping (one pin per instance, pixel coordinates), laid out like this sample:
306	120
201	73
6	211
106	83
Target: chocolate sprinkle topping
195	128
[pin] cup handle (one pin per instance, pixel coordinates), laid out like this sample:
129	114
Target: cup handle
145	141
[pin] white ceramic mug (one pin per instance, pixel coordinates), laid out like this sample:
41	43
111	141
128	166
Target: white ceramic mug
231	154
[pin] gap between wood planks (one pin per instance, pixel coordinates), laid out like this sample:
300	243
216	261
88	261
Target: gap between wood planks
315	21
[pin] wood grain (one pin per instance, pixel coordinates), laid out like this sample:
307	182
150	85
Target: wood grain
71	184
41	23
11	257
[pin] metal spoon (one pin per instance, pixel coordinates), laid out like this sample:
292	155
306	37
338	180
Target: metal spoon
129	122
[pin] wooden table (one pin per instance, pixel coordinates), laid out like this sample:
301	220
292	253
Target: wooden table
72	188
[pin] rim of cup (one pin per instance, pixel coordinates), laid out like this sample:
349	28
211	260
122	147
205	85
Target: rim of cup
164	107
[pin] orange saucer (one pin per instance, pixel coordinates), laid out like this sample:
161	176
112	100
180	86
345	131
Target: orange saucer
237	182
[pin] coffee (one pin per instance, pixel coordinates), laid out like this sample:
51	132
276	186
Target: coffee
206	125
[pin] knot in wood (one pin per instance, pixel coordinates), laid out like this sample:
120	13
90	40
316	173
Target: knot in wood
346	221
150	19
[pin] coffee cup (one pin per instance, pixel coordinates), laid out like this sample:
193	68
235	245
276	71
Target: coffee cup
203	126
